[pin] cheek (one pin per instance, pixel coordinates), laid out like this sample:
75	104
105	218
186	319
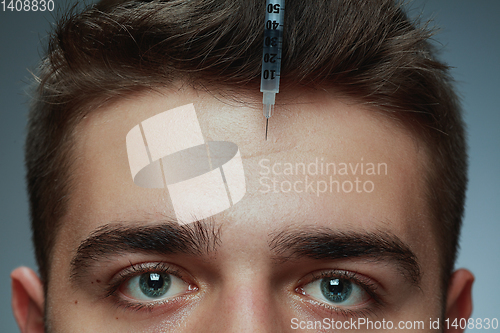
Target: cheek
425	308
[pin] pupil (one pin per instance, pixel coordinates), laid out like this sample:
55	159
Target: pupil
335	286
154	284
155	281
336	290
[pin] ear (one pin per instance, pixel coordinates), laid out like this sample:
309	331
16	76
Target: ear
459	301
27	300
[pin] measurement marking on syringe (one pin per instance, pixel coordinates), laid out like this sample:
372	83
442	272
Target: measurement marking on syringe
271	58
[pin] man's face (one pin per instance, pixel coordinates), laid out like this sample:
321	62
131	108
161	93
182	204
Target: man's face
305	242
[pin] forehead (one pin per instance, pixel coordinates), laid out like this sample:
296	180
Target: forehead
372	168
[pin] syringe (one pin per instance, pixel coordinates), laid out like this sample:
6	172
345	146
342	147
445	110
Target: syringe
271	57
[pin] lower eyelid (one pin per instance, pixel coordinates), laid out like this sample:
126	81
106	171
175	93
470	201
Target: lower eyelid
162	305
323	309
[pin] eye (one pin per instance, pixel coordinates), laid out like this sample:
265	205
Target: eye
150	284
340	290
154	286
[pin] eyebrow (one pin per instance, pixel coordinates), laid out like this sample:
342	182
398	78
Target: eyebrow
164	238
202	238
328	244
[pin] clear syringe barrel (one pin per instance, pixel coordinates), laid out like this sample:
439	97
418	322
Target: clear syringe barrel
271	56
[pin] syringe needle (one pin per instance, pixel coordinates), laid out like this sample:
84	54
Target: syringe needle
267	124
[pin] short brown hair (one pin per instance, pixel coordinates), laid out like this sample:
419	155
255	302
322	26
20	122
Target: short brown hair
368	50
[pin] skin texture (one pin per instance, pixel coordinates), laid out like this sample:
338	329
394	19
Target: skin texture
241	287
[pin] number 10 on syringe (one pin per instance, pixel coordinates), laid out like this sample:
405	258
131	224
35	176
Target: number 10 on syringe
271	56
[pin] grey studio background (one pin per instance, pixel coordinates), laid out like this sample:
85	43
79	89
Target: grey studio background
470	40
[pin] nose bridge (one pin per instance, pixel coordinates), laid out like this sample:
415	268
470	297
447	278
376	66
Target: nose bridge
245	305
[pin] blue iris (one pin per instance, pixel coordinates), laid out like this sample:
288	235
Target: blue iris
155	284
336	290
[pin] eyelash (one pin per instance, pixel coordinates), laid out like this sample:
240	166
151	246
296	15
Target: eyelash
139	269
368	286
